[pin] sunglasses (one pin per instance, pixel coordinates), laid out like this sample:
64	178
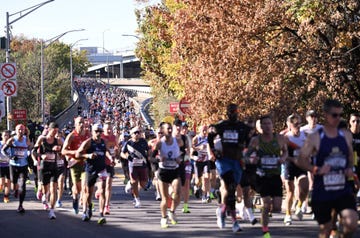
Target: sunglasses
355	121
136	132
98	131
336	115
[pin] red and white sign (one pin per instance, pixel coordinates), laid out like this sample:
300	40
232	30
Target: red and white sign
19	114
9	87
184	106
8	71
173	107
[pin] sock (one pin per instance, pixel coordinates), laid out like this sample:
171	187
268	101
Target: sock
223	209
233	215
288	213
186	206
299	204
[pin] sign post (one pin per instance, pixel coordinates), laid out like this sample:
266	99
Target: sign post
184	106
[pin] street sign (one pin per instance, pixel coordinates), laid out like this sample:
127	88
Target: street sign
174	107
9	88
19	114
8	71
184	106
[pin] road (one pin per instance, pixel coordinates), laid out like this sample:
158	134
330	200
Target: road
126	221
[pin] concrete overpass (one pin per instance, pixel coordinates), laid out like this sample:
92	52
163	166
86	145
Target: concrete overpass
125	82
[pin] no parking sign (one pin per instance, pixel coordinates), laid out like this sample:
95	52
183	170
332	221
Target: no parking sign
8	71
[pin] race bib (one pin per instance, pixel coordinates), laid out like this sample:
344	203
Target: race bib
170	163
112	151
48	157
137	162
231	136
269	162
60	162
20	153
334	181
188	169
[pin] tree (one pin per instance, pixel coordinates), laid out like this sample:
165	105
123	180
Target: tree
267	56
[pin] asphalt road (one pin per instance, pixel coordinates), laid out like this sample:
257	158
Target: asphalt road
126	221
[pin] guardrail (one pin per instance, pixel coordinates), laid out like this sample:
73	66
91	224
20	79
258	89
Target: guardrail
63	118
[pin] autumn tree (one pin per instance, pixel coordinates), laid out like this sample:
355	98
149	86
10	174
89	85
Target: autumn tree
267	56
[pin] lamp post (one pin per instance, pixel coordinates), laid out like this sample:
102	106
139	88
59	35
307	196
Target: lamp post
71	68
107	65
47	43
103	35
22	14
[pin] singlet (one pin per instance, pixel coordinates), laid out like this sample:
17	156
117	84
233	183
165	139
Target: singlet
2	157
335	152
46	151
97	164
138	152
76	142
20	150
170	153
203	153
295	143
269	154
111	142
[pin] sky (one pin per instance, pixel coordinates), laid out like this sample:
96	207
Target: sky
104	22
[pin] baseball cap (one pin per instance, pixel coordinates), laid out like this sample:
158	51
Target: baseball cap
311	113
178	122
97	127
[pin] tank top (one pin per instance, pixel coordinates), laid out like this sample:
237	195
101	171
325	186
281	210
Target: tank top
269	154
335	152
5	162
111	142
203	153
170	153
46	151
20	150
76	142
97	164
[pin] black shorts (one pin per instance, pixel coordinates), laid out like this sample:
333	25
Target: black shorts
48	172
61	170
168	175
292	171
110	170
181	172
17	172
201	167
269	186
248	178
5	172
212	165
154	166
322	209
91	178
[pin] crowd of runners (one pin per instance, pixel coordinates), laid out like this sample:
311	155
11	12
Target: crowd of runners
236	164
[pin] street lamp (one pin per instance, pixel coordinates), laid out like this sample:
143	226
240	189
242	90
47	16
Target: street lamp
47	43
107	65
22	13
103	35
71	68
137	37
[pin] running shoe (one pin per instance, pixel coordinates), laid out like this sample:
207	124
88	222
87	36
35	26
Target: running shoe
254	221
101	221
208	199
28	181
21	210
52	215
172	218
212	195
163	223
46	206
298	213
6	199
287	220
157	196
128	187
197	192
204	200
137	203
39	194
148	185
220	218
85	217
107	210
58	204
236	227
267	235
186	209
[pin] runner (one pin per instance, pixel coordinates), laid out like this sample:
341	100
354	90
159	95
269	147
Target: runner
202	165
154	163
47	148
19	145
169	149
94	150
61	171
77	168
136	151
312	125
296	180
234	136
268	151
332	165
4	169
113	145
